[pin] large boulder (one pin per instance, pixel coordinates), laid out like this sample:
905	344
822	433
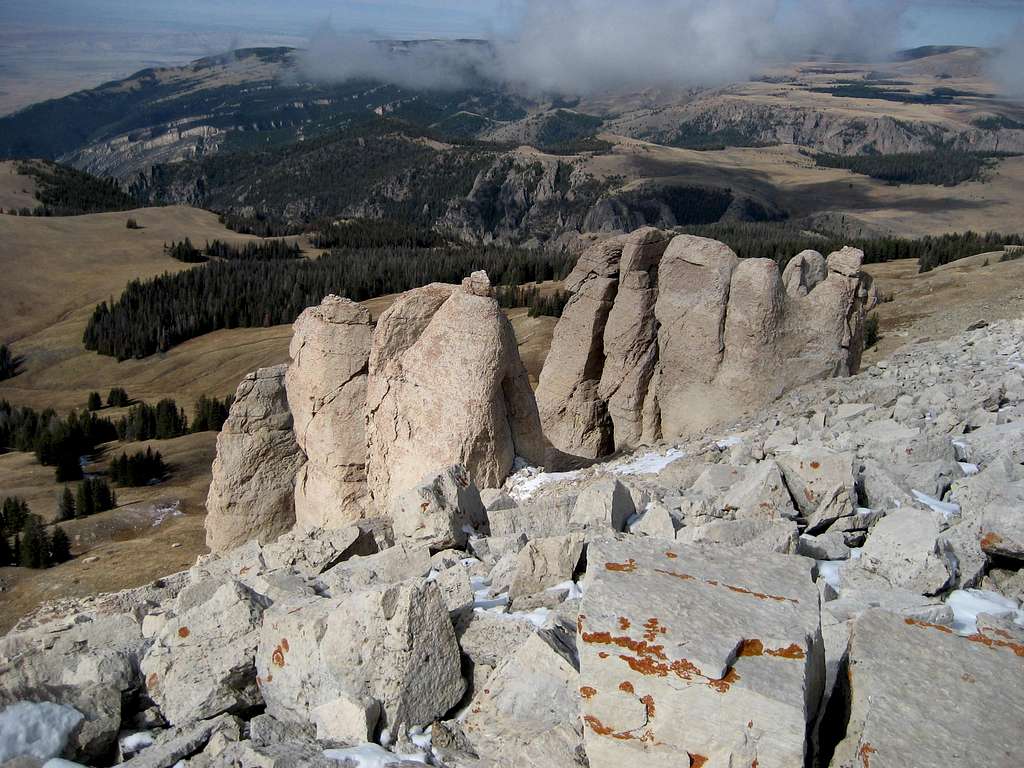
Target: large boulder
326	385
679	335
252	492
920	695
446	386
202	662
393	644
440	510
716	654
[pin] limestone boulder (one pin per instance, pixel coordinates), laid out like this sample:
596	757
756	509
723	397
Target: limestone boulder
392	643
202	663
919	694
440	510
446	386
907	548
821	482
711	654
326	387
528	712
545	562
252	491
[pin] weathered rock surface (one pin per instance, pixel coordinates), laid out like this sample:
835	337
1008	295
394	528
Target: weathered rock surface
326	385
252	492
393	644
667	335
921	695
702	652
446	386
438	511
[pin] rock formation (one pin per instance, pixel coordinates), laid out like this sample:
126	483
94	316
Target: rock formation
253	487
326	385
447	386
834	580
667	335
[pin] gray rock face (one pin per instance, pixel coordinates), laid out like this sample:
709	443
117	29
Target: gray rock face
446	386
252	492
326	385
202	662
680	335
393	644
438	511
706	652
912	685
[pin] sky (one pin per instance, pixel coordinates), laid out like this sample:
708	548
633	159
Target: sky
50	47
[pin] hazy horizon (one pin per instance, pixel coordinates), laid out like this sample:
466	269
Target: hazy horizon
52	47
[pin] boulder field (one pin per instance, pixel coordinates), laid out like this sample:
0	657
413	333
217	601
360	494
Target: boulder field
828	578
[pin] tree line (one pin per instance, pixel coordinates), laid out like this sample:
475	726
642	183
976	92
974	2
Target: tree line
945	167
539	304
270	250
156	314
141	468
8	363
65	191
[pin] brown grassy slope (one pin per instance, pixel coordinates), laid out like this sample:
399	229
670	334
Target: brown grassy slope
16	191
945	301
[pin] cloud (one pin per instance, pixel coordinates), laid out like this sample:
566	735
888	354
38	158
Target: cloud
575	47
1007	66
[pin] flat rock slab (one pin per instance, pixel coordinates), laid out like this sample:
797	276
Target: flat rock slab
712	653
924	696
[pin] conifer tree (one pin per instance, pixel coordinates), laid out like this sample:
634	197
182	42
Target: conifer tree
67	504
35	544
60	546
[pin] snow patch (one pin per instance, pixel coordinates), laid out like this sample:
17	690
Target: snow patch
969	469
523	484
649	463
575	590
136	742
946	508
38	730
728	442
830	571
966	604
368	756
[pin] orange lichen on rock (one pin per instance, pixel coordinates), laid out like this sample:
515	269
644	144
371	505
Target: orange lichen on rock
815	465
990	540
696	761
675	575
603	730
624	623
183	632
648	702
587	692
627	567
865	752
277	657
626	687
722	685
761	595
639	647
751	648
671	555
653	628
791	651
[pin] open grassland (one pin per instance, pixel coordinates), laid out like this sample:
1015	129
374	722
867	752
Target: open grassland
16	191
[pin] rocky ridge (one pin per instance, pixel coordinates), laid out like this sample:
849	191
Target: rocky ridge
833	580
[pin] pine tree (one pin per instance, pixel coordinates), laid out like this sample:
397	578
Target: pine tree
35	544
84	501
6	555
95	402
66	506
60	546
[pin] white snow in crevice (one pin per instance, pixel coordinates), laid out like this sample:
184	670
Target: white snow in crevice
36	729
969	469
862	511
136	742
523	484
946	508
482	600
830	571
728	442
538	616
856	552
966	604
648	463
59	762
370	756
575	591
960	449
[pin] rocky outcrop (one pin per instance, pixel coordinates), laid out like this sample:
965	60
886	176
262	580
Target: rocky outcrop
668	335
446	386
252	493
831	581
326	385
